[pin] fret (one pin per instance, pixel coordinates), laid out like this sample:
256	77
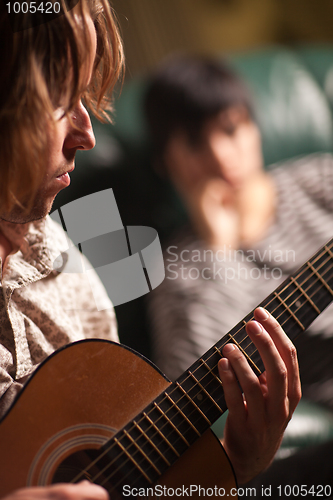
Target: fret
218	351
298	298
238	336
211	372
182	414
295	291
237	331
209	362
192	401
161	434
141	451
241	337
208	381
321	296
245	354
211	359
211	385
152	443
241	333
305	295
322	270
290	311
274	306
101	476
321	279
116	466
172	424
328	250
207	393
319	267
132	460
290	306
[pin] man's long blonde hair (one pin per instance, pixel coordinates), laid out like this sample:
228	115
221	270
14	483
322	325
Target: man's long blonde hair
41	67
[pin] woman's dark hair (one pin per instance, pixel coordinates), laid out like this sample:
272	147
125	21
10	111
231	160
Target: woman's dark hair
186	91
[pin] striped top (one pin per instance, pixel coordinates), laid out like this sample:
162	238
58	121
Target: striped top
205	292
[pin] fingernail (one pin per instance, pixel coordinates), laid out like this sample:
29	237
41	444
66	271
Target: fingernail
255	327
224	364
228	348
261	314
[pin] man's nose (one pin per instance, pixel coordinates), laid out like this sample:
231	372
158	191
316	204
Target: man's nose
81	135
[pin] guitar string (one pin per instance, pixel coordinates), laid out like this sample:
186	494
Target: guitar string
137	451
312	274
295	290
109	478
301	295
317	289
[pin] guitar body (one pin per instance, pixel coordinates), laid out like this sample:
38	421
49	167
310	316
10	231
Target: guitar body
77	400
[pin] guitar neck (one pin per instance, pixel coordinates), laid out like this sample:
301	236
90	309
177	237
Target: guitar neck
296	303
153	441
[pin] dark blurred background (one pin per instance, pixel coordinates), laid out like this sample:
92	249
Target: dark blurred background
152	29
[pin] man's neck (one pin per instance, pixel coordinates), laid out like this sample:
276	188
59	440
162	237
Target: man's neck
12	236
5	248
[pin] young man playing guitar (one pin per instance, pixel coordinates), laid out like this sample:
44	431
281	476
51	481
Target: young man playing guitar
48	69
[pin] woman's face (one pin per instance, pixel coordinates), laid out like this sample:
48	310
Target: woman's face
231	147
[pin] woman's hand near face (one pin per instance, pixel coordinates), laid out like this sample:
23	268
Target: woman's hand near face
215	214
210	201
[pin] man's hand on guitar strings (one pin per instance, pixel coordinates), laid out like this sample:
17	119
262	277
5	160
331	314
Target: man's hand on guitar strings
258	417
81	491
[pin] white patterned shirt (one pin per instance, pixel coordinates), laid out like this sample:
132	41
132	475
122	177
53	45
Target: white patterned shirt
40	308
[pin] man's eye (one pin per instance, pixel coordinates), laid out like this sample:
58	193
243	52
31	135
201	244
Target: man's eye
58	113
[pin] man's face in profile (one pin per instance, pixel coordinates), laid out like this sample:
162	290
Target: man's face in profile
69	134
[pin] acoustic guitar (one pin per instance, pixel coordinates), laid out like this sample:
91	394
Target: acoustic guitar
98	410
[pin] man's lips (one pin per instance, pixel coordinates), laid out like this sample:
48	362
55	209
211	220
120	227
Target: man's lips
64	177
65	173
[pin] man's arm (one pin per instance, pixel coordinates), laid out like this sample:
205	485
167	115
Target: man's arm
81	491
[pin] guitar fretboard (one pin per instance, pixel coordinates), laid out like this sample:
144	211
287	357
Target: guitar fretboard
148	445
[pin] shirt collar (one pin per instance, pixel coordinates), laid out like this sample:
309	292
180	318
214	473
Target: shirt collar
34	251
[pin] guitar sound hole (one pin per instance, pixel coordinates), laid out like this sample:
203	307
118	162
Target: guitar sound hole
80	464
77	464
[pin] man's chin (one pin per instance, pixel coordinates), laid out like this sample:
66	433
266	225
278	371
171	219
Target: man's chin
19	215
